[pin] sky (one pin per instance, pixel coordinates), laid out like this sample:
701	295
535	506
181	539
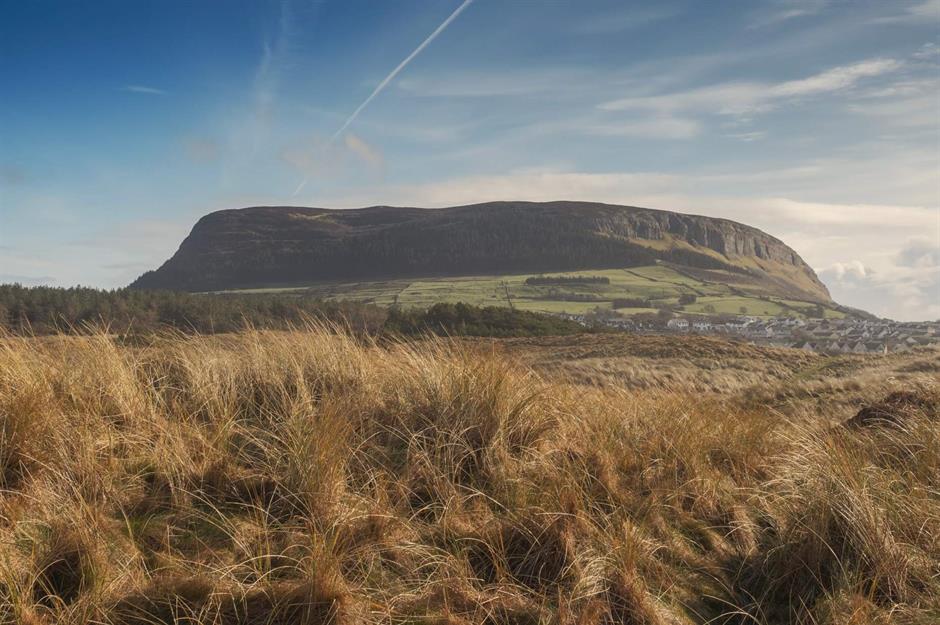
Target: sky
818	121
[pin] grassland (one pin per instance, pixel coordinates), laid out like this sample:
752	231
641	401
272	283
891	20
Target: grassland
788	381
313	477
661	284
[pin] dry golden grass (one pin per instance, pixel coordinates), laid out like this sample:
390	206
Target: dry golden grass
791	381
314	477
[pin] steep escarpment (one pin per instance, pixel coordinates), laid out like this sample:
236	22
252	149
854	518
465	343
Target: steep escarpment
280	246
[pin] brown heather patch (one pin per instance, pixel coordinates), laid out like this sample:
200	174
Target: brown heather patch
313	477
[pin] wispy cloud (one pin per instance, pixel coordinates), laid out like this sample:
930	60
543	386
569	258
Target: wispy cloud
928	52
925	11
143	89
391	76
910	101
834	79
786	10
736	98
268	74
755	135
911	106
662	127
624	19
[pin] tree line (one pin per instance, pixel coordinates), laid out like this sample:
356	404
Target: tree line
466	320
44	310
75	310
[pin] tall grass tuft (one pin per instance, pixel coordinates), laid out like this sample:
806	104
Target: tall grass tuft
311	476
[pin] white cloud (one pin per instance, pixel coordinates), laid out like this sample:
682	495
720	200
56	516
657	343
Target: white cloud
737	98
656	127
143	89
919	252
785	10
928	51
755	135
921	12
835	79
910	103
852	215
895	291
928	9
726	98
854	270
684	192
624	19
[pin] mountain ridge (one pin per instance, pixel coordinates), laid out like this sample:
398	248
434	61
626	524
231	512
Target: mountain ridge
291	245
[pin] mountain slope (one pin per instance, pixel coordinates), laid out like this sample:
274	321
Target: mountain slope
268	246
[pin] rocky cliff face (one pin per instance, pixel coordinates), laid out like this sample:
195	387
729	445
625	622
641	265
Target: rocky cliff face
728	238
267	246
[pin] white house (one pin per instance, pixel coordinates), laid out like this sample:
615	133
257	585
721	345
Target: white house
678	324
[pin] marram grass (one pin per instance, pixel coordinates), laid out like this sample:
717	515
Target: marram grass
315	477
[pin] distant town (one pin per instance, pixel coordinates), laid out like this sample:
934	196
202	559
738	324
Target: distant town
831	336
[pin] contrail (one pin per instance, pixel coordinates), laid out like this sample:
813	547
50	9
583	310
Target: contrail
402	65
300	187
381	86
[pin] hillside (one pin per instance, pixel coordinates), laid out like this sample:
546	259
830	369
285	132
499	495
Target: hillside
294	246
626	291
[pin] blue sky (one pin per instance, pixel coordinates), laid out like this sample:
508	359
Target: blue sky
818	121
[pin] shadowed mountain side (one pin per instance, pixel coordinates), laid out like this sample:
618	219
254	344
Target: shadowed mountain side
283	246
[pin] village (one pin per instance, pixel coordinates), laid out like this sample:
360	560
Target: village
831	336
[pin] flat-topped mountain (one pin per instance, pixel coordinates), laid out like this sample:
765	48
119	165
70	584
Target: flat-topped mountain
271	246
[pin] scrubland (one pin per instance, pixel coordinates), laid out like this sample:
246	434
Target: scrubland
317	477
795	382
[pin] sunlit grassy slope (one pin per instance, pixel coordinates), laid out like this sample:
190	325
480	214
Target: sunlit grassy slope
315	478
659	283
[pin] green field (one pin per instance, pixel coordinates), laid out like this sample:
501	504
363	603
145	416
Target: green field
659	284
